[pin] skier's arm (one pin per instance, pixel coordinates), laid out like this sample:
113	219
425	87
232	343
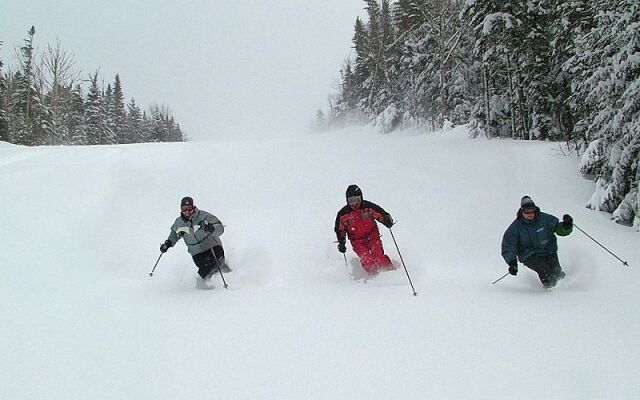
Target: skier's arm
213	221
379	213
510	245
562	228
338	229
173	237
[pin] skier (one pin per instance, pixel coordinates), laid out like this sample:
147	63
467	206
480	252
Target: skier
531	238
357	220
201	233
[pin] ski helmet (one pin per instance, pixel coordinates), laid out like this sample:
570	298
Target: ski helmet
354	190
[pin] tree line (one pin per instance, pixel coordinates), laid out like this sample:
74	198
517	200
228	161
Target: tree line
562	70
44	102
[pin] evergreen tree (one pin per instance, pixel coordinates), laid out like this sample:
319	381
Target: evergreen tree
109	118
93	114
27	116
432	62
4	134
119	112
344	105
76	127
608	69
134	123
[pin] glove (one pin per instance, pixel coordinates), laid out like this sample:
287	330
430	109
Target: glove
513	267
165	246
208	227
342	248
567	220
387	221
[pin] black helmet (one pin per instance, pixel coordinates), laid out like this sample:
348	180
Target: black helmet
352	191
186	201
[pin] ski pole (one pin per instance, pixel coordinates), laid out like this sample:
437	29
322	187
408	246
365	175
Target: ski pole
402	260
344	254
501	278
586	234
154	267
219	269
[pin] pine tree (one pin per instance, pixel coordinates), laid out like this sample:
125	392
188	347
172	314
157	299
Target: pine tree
119	112
431	61
363	67
93	114
27	116
608	69
134	123
109	118
4	134
76	127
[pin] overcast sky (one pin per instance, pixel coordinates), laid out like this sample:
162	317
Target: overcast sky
239	67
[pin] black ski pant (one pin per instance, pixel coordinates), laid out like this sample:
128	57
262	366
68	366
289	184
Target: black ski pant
547	267
207	262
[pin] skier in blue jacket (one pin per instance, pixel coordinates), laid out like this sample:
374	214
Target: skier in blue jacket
531	238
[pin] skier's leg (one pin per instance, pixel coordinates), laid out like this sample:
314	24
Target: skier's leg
381	259
361	248
222	261
206	264
555	269
542	268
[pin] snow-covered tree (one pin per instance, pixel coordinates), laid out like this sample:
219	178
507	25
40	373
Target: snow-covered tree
606	66
119	112
76	122
93	114
134	123
4	134
27	116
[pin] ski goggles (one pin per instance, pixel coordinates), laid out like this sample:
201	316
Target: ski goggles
354	200
187	208
529	211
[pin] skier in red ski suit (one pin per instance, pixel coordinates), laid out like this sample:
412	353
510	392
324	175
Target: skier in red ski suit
357	220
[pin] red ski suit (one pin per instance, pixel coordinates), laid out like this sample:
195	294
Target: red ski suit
360	227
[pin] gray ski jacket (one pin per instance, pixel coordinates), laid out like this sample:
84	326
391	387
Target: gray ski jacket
195	237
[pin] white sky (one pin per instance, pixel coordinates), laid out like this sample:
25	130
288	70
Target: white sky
244	66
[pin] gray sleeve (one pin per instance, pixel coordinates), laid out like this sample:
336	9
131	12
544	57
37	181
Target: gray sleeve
213	220
173	236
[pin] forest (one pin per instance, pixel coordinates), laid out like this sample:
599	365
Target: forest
46	101
558	70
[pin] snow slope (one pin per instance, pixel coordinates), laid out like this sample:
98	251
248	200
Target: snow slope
81	318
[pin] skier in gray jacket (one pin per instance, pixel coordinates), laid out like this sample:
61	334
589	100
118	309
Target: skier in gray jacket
201	232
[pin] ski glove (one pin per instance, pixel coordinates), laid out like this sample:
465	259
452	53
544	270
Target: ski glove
165	246
387	221
208	227
513	267
342	248
568	221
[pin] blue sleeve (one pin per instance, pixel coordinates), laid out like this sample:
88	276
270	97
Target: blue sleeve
510	243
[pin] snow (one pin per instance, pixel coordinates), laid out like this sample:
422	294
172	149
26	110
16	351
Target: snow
81	318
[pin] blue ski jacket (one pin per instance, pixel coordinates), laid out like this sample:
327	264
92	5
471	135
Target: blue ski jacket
532	238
